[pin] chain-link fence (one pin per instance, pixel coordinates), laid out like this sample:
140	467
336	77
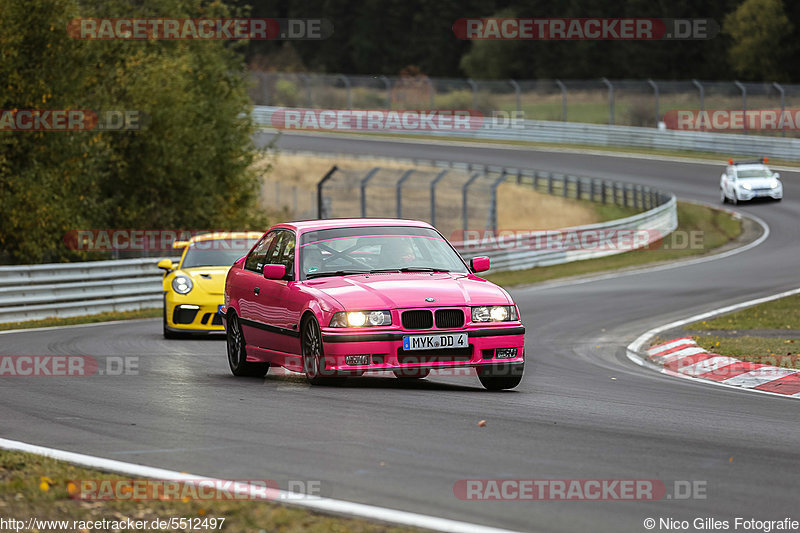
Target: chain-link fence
621	102
458	197
297	203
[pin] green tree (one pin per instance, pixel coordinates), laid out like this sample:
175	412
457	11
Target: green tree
189	165
759	29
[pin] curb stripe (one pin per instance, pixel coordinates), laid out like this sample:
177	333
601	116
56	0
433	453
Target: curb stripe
689	360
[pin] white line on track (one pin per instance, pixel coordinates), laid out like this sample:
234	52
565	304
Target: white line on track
634	349
325	505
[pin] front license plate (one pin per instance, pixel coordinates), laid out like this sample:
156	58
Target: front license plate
433	342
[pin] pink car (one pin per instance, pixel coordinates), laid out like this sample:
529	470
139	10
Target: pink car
337	298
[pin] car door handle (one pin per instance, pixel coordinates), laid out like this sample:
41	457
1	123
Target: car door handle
256	290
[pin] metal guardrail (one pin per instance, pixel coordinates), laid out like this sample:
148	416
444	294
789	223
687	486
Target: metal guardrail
34	292
605	135
651	225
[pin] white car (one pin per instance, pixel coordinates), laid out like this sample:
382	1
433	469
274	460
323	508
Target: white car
746	180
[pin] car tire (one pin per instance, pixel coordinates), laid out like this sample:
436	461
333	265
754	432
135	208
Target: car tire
501	377
412	373
722	198
314	356
237	357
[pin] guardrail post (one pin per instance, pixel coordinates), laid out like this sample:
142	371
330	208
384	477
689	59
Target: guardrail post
493	207
388	83
783	107
320	207
744	102
518	94
464	208
702	98
603	191
399	191
474	87
563	100
549	183
610	100
625	188
655	94
346	81
308	89
363	186
433	195
636	191
564	185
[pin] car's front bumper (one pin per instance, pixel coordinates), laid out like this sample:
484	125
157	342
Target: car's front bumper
385	350
187	316
775	194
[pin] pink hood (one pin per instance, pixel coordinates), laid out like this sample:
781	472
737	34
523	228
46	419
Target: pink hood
404	290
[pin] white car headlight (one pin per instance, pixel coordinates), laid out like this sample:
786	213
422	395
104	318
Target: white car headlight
774	184
494	313
182	284
361	319
747	186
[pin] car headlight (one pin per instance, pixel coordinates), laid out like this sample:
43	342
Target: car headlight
182	284
494	313
361	319
746	186
774	184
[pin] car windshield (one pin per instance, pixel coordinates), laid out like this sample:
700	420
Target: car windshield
342	251
216	252
754	173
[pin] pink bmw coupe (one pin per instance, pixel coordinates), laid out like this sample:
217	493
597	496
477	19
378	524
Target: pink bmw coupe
338	298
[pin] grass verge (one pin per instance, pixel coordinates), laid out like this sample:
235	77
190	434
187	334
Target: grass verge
35	486
745	331
700	230
777	314
87	319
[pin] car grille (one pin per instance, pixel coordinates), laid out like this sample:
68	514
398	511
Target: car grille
405	357
449	318
183	316
420	319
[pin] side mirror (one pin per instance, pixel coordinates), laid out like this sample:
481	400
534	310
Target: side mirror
274	271
479	264
165	264
776	176
177	245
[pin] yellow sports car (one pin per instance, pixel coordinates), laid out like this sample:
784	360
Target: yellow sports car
194	288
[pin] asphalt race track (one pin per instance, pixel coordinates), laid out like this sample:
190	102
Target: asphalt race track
403	446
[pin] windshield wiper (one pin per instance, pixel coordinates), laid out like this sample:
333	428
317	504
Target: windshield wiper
313	275
423	269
